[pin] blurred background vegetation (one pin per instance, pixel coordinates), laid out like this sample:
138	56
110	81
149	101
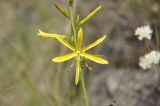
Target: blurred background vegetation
29	78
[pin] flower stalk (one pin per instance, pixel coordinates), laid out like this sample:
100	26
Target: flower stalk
76	43
84	90
72	25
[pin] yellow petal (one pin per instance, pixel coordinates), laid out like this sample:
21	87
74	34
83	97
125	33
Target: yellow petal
90	15
64	57
94	58
80	38
77	70
94	43
60	39
48	35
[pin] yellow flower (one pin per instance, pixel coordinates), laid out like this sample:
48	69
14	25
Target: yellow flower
78	52
48	35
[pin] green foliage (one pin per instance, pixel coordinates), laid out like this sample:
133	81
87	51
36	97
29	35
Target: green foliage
71	2
61	10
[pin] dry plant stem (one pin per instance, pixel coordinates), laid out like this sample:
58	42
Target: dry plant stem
157	38
147	46
84	89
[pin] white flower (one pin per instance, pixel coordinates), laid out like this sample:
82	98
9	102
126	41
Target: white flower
144	63
154	57
144	32
147	60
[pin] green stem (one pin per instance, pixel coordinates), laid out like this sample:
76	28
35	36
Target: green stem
84	89
72	21
72	24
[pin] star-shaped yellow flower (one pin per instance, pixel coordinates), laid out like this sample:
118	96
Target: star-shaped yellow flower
78	52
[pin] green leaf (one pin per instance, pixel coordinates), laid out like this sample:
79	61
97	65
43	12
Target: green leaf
77	20
61	10
90	15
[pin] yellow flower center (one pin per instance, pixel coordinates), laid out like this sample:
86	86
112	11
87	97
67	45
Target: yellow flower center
78	52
